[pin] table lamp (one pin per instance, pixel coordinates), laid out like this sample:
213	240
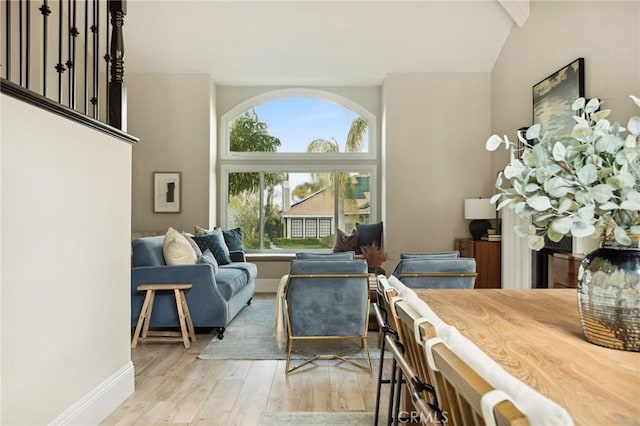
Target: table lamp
479	210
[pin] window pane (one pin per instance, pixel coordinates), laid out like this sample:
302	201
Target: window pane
243	207
354	197
296	228
302	125
310	228
325	228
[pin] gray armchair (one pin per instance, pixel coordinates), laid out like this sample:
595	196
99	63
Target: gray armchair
327	303
437	272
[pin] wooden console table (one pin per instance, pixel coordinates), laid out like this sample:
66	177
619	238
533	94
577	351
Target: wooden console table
488	255
535	335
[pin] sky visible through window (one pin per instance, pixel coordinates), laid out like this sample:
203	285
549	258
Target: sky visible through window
298	121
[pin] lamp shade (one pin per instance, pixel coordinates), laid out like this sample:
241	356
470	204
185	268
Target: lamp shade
479	208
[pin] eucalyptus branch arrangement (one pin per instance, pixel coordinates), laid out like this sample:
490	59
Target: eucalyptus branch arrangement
583	184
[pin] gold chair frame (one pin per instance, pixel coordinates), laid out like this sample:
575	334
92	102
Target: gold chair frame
341	355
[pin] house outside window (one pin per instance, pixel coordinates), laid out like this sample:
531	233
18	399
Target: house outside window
290	178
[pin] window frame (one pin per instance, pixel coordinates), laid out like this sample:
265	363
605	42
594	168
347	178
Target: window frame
267	162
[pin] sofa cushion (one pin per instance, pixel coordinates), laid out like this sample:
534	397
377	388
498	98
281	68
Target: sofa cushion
177	250
193	244
147	251
230	281
250	269
214	242
208	258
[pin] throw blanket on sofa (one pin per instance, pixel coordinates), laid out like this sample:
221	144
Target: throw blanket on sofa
279	323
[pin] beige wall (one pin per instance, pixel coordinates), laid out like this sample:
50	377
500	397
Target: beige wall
65	257
434	132
171	114
606	34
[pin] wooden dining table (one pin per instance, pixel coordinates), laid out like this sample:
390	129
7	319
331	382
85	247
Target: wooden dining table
536	336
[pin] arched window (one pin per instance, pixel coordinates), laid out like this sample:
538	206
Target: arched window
296	166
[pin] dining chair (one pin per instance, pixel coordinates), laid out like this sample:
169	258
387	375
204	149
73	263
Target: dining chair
465	396
412	328
386	326
326	303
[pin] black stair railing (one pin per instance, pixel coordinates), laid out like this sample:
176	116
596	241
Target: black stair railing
54	48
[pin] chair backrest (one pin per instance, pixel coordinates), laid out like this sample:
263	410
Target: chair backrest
462	391
147	251
343	255
412	328
327	298
438	255
386	294
437	273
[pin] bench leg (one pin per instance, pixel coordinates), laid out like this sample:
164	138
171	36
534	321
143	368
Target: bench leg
141	318
183	325
187	317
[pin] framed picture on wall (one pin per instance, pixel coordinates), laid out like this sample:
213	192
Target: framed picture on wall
553	96
166	192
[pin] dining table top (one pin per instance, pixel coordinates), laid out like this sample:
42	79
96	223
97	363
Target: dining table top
535	335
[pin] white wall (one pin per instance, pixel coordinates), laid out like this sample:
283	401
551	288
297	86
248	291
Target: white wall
434	132
171	114
606	34
65	269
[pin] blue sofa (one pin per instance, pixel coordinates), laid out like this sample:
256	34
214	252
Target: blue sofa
215	299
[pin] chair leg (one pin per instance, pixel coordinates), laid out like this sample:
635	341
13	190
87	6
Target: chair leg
380	380
396	404
392	390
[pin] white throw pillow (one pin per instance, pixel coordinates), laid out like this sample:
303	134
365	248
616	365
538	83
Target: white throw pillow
177	250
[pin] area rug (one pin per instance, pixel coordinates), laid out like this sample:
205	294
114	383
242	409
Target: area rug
315	419
250	336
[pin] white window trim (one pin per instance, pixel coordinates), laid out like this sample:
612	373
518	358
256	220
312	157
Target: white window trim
256	162
225	151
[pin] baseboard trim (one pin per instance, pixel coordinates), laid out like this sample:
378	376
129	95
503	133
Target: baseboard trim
95	406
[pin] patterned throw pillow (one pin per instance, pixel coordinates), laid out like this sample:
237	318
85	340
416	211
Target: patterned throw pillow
233	239
208	258
214	242
346	242
177	250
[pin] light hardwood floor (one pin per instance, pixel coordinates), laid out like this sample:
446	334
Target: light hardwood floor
173	386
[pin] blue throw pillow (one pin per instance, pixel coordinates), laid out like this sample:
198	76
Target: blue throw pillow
214	242
208	258
369	233
233	239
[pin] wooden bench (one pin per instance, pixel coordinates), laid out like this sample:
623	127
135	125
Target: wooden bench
186	325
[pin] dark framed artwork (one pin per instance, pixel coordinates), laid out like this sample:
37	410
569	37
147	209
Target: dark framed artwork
166	192
553	96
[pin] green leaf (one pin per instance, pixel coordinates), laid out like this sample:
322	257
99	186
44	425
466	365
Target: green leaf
581	229
493	143
533	132
562	225
588	174
621	236
635	229
592	106
559	151
581	132
632	202
634	126
539	203
565	204
554	236
600	115
494	198
503	203
602	193
536	242
608	206
635	100
578	104
531	187
523	231
556	187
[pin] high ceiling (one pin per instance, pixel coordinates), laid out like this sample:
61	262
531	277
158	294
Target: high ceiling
313	42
